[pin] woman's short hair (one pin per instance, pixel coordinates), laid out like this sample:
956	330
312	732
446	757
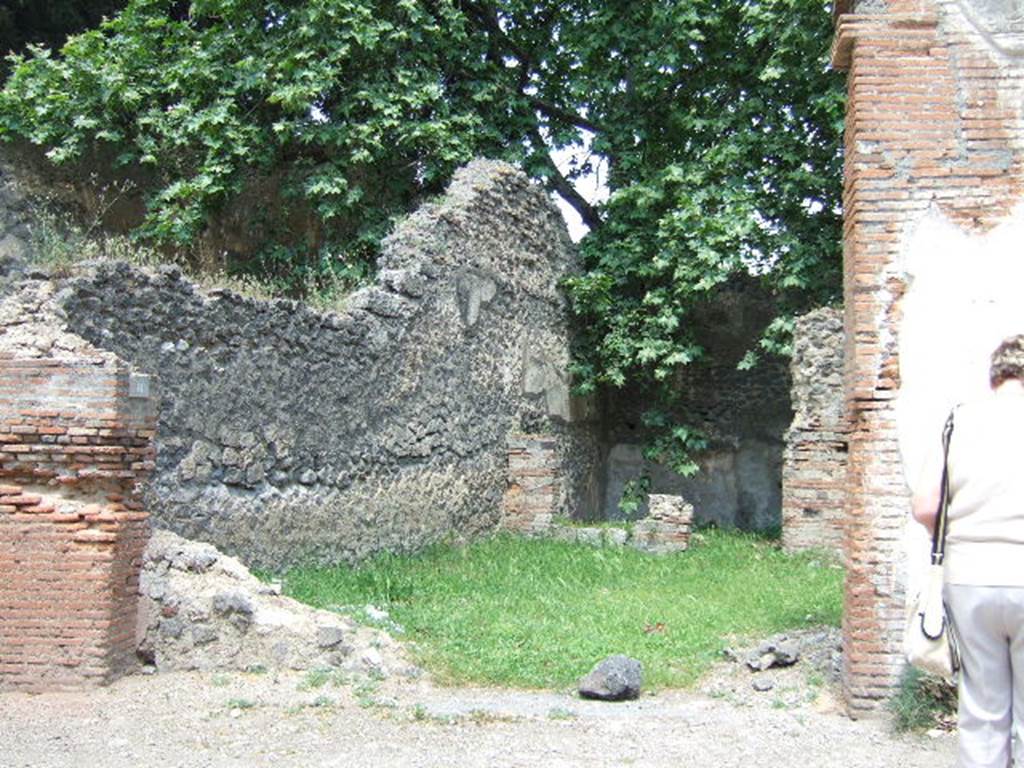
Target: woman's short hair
1007	361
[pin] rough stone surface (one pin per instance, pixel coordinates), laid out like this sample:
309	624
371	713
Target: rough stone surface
617	678
287	435
204	610
814	469
15	236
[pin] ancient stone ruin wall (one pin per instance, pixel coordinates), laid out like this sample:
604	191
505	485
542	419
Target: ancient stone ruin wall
743	412
814	467
934	173
287	435
76	441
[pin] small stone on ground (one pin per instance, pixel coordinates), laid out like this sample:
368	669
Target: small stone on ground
617	678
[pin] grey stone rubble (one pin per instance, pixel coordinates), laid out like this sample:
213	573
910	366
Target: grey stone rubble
617	678
820	648
203	610
777	652
815	676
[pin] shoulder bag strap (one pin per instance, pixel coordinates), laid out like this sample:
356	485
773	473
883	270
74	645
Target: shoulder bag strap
942	516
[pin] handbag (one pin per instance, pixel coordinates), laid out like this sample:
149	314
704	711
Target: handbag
930	641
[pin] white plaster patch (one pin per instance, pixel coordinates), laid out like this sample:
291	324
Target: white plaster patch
965	293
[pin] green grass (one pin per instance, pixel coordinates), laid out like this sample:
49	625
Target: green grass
922	701
537	613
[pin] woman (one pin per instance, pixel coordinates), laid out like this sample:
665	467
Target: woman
984	563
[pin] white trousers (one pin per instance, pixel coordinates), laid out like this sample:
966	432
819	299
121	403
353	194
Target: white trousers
990	623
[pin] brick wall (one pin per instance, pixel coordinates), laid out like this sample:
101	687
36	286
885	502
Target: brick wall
75	446
535	496
533	491
814	460
931	126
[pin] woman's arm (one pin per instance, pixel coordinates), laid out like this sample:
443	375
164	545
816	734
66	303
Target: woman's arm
928	492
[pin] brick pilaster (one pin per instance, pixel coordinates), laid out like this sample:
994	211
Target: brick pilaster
930	122
75	445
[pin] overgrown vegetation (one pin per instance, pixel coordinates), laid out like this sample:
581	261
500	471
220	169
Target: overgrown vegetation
714	125
923	701
61	242
538	613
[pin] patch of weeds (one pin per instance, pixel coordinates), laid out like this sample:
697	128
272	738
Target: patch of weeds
423	715
922	701
321	676
561	713
482	717
814	678
366	693
322	701
220	680
315	678
62	241
256	669
815	681
240	704
243	285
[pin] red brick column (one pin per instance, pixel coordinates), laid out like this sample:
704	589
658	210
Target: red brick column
928	123
74	447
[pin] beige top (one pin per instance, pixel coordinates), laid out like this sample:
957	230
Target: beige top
985	541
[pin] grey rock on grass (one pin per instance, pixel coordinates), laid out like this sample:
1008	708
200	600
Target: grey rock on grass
617	678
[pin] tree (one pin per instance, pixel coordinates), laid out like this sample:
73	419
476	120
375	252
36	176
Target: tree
49	22
717	122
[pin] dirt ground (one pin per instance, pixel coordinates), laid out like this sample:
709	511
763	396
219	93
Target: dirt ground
293	720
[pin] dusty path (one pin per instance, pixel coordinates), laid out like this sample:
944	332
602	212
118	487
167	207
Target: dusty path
194	720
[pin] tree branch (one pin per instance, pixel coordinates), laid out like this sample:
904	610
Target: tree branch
563	187
487	17
557	113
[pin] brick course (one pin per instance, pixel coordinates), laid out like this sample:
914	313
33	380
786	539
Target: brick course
930	122
74	450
